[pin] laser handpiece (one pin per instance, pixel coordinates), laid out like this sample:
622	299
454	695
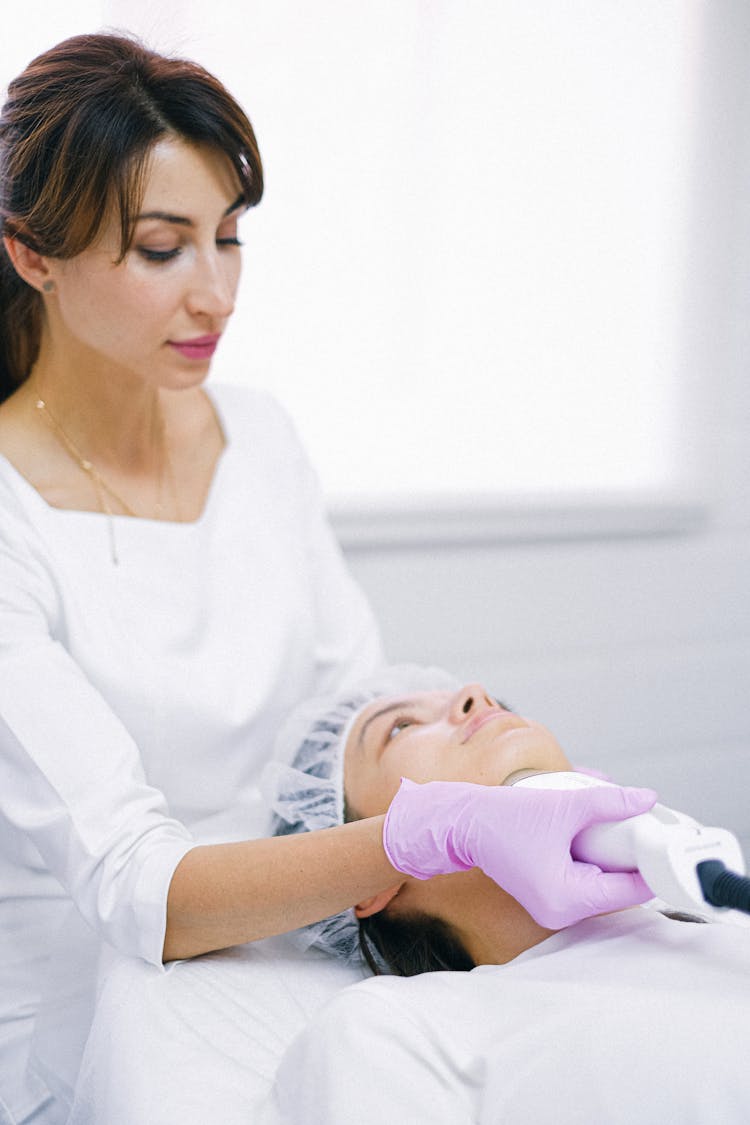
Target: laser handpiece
669	849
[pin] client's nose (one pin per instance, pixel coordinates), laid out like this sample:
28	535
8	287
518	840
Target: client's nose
470	699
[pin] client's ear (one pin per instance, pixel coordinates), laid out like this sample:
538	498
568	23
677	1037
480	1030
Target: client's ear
377	902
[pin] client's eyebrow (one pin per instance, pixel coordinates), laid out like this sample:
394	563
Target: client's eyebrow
182	220
378	715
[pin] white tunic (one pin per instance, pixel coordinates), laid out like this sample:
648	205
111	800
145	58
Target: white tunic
139	701
623	1019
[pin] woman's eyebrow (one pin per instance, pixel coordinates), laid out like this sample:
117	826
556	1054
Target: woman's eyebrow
165	217
240	201
182	220
378	715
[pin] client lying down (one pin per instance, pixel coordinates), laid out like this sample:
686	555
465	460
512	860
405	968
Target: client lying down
631	1015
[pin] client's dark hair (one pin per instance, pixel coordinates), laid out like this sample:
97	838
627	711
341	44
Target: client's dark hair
408	942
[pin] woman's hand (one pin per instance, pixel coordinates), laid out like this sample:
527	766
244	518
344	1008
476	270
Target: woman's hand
521	838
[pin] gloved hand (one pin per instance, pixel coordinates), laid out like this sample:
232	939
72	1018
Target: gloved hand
521	838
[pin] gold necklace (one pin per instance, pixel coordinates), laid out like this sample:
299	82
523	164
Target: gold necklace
103	489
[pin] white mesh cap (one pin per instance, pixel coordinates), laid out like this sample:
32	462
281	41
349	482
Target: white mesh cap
303	784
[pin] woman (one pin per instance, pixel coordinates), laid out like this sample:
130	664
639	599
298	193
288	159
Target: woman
343	758
169	588
618	1018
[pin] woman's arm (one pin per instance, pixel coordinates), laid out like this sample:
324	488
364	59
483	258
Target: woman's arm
227	894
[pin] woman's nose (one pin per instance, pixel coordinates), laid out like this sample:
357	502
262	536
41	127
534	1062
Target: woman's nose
468	700
213	293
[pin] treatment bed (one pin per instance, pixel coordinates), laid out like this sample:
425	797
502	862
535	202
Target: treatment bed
201	1041
629	1016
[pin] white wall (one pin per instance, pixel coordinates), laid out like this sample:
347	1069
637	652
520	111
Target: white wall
471	209
635	651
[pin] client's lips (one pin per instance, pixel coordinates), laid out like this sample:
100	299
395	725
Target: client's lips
509	720
200	347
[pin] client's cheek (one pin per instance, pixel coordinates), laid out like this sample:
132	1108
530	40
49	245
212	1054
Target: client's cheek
366	795
381	795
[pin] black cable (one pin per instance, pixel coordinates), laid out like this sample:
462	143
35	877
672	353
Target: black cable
722	887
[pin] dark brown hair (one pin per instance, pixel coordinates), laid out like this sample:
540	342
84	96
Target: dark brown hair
75	134
411	943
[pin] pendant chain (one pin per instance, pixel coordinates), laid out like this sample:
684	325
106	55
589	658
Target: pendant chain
104	491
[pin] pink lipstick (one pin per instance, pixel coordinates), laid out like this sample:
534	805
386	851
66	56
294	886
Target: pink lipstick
201	347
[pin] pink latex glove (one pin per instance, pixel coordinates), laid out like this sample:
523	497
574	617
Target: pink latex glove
521	838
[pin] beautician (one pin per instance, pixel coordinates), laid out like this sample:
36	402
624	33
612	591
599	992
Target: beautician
169	588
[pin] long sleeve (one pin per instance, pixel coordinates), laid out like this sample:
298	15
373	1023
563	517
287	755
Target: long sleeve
71	778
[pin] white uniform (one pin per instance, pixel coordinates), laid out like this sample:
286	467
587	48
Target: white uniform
139	702
627	1018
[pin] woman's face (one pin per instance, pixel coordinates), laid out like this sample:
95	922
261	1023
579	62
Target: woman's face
158	314
438	736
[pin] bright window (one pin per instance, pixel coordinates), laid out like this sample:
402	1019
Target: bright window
466	278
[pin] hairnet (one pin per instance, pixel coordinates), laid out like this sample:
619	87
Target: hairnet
303	784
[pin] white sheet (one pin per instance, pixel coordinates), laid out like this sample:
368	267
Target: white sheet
622	1019
200	1043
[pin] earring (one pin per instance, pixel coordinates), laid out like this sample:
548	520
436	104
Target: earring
48	286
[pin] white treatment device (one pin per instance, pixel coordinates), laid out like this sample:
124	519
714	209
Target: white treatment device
690	867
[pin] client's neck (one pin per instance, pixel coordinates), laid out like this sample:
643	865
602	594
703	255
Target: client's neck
493	927
497	940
